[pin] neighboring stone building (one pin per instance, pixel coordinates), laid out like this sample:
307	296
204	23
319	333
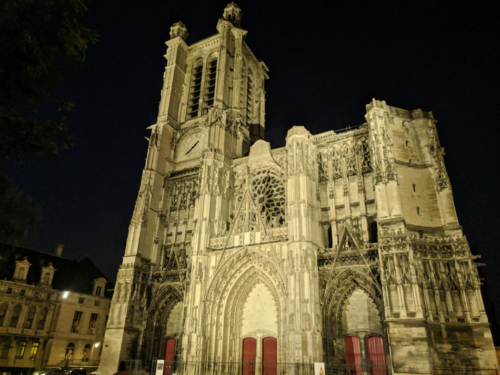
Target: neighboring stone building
53	311
339	247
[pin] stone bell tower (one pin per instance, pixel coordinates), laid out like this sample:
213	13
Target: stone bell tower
212	109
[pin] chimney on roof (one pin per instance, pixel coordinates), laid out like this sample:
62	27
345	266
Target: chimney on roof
59	249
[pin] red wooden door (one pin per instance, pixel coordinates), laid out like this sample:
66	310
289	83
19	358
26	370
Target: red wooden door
376	355
249	355
169	356
352	354
269	356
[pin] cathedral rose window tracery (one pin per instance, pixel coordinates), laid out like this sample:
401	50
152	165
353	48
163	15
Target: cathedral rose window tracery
269	196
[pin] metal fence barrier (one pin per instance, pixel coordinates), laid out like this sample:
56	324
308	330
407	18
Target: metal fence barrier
138	367
271	368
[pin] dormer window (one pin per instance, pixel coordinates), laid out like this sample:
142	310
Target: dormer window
21	271
99	285
47	275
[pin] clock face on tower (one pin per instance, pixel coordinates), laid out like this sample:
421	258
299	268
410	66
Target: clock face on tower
191	147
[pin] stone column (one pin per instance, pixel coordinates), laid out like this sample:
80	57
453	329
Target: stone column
304	240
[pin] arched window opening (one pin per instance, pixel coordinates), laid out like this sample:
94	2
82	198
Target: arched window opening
86	353
46	278
40	324
374	232
330	237
21	348
34	350
93	324
242	85
75	327
3	312
21	273
249	97
15	316
195	90
169	356
376	355
30	317
70	351
211	75
269	355
352	354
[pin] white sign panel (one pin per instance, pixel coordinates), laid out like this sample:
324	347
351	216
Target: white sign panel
319	368
160	365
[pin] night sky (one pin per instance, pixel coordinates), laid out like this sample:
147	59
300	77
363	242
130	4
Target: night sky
327	60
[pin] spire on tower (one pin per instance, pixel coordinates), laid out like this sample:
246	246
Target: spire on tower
232	13
179	29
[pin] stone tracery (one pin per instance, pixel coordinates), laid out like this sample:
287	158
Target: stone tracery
269	196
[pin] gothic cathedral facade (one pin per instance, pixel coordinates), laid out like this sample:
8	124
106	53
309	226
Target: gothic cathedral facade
340	246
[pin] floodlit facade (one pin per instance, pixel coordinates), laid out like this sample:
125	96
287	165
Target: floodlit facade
341	247
53	312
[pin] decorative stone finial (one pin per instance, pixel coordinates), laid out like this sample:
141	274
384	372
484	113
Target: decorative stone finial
298	130
179	29
232	13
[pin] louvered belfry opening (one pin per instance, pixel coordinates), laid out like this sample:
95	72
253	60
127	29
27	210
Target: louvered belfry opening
249	355
169	356
210	84
352	354
195	91
376	354
269	355
249	97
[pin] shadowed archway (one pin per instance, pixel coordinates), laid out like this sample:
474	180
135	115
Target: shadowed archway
163	321
352	307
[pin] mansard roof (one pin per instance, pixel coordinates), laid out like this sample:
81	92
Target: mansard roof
71	274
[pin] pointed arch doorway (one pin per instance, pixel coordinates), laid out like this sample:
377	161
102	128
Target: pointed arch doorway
269	356
352	354
376	355
169	356
249	355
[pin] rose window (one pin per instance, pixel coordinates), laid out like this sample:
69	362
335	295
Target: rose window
269	197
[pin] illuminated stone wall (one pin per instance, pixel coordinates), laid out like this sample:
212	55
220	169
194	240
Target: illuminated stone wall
350	232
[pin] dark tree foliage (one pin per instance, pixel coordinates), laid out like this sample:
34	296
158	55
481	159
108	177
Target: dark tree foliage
7	264
37	37
17	213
